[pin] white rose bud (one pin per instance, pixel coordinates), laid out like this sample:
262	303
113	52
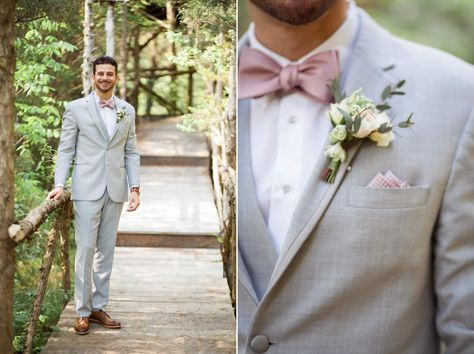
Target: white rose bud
335	152
338	133
334	113
382	139
367	126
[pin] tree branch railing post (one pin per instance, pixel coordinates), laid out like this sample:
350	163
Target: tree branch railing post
60	230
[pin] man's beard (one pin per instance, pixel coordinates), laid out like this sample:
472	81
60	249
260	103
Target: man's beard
294	12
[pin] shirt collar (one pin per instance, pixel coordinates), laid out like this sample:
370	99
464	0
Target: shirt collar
341	40
97	99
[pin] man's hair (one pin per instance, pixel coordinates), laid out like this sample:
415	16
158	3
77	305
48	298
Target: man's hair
104	60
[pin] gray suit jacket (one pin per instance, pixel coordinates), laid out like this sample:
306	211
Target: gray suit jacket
100	161
372	271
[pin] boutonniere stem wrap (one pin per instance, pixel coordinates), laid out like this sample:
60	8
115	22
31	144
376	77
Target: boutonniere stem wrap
357	117
121	113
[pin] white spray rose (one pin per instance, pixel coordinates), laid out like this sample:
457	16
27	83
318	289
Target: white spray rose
382	139
334	113
338	133
335	152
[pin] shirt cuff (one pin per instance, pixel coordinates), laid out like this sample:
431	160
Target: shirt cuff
134	185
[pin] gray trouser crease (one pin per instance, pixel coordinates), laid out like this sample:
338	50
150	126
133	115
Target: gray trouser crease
95	224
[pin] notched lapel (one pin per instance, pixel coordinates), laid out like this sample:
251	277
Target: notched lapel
119	104
94	112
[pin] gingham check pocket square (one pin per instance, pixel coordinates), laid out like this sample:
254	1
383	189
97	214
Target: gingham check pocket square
387	180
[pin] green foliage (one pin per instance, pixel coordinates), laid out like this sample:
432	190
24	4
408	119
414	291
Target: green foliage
29	256
50	312
39	66
208	46
57	10
448	25
38	112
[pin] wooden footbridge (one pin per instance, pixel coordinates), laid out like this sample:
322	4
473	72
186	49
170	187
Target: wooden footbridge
167	285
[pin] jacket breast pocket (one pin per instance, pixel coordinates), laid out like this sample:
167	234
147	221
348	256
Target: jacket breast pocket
388	198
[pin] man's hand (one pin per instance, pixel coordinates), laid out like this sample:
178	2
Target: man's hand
133	201
55	194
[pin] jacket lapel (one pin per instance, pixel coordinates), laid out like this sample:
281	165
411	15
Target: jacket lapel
256	251
364	70
119	105
94	112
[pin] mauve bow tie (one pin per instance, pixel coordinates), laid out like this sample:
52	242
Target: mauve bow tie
109	103
260	75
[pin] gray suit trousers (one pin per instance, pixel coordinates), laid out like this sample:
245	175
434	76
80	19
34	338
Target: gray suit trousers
95	224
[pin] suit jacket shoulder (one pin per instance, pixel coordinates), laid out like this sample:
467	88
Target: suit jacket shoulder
128	106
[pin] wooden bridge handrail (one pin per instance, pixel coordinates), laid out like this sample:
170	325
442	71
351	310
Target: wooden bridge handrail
34	219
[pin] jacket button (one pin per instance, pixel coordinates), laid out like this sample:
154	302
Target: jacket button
259	343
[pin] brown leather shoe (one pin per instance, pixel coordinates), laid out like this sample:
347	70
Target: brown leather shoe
103	319
81	326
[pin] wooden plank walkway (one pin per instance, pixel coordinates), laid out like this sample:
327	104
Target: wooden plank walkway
177	206
161	143
169	301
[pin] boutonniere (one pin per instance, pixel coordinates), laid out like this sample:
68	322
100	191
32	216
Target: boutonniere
121	113
357	117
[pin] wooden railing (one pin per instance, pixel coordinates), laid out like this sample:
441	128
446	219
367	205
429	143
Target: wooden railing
60	230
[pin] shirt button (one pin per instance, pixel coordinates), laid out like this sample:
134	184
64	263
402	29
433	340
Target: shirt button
292	119
259	343
286	189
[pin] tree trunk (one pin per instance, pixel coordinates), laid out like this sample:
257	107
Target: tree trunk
171	20
7	166
150	82
109	31
136	68
88	47
124	53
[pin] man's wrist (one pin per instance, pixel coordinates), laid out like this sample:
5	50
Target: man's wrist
59	185
135	189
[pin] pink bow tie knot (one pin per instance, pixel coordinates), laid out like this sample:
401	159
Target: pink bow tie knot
109	103
289	77
260	75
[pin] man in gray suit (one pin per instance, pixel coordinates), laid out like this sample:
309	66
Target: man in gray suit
98	133
345	268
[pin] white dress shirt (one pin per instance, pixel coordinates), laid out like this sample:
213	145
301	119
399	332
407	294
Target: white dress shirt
108	115
287	136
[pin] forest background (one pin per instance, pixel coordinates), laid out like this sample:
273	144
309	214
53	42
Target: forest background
176	58
447	25
49	44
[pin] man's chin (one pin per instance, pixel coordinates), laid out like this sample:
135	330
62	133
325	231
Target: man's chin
295	13
105	89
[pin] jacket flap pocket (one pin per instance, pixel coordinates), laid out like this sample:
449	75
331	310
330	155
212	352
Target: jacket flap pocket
385	198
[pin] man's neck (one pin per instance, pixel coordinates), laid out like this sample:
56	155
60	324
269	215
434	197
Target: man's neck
293	42
104	95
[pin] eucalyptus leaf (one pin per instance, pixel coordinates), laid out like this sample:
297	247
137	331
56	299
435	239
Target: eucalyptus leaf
346	115
357	123
383	107
386	93
384	128
401	83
